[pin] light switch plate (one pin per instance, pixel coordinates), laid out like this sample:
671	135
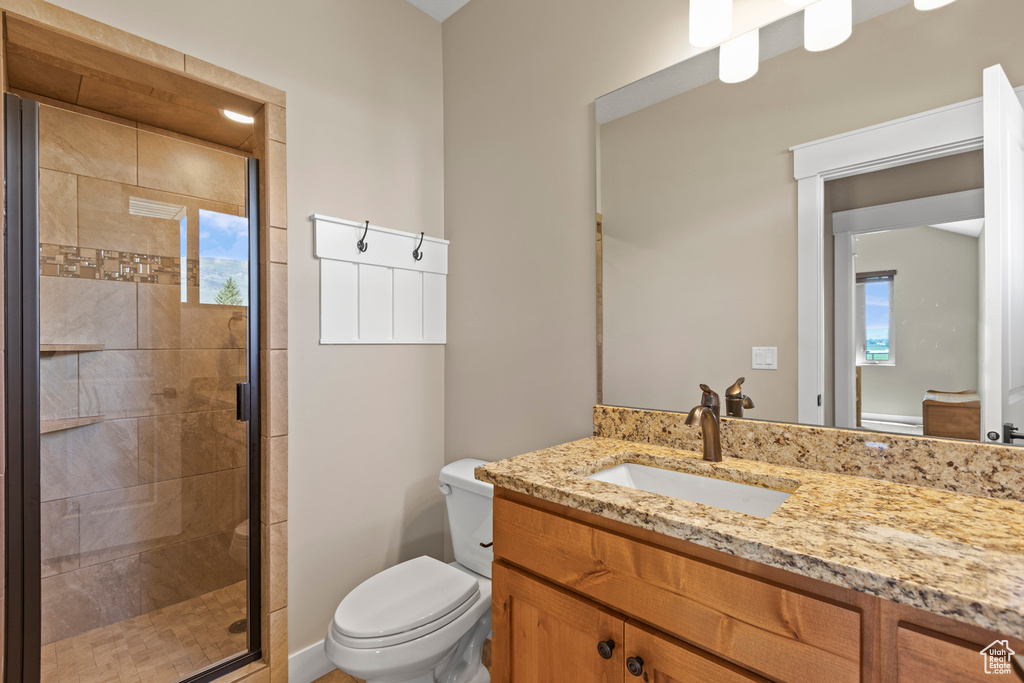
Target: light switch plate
764	358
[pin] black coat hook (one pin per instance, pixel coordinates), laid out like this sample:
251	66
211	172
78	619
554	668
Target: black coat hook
362	244
416	253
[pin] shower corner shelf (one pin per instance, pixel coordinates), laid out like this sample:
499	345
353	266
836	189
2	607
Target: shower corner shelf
48	426
70	348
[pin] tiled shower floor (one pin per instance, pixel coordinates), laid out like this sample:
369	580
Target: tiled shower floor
159	647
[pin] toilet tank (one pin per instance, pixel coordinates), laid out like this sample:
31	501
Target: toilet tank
469	514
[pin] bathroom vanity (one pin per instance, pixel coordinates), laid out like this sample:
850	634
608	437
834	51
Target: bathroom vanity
849	579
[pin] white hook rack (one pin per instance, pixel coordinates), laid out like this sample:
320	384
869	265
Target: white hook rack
381	294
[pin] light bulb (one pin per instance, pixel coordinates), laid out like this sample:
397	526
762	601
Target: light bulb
739	58
827	23
930	4
235	116
710	22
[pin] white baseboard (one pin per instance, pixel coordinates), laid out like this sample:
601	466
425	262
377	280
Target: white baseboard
309	664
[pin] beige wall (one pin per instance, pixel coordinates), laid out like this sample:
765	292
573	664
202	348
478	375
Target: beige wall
363	79
936	316
699	196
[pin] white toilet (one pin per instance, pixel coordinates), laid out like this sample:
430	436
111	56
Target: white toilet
424	621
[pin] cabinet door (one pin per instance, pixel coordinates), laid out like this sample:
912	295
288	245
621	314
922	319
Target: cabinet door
543	634
926	657
921	647
654	657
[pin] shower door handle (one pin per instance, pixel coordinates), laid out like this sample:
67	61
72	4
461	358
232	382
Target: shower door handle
242	401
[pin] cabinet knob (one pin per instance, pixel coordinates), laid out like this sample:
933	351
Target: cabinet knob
635	666
605	647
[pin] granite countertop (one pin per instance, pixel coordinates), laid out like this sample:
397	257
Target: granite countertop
952	554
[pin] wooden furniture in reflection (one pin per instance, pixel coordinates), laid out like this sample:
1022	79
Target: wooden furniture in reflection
953	419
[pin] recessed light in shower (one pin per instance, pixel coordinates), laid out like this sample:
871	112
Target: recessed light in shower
235	116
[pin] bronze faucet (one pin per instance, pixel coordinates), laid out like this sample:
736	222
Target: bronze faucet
706	415
735	400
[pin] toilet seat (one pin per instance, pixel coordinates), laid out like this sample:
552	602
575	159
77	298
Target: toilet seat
403	603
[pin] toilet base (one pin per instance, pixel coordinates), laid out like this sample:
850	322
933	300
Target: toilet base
462	665
422	678
467	664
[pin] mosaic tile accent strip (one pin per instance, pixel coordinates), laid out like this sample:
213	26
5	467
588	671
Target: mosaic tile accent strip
974	468
61	260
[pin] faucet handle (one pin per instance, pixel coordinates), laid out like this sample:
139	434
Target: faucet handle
710	400
736	389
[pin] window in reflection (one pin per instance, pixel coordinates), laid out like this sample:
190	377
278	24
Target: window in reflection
875	318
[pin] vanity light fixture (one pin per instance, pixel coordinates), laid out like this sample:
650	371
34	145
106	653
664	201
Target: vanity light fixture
931	4
235	116
827	23
739	58
710	22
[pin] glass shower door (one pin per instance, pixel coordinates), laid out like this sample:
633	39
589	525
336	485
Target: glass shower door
144	462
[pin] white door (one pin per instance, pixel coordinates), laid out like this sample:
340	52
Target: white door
1001	370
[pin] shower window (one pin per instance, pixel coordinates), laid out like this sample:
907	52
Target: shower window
223	259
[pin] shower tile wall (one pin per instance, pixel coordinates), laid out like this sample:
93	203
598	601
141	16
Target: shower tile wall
139	510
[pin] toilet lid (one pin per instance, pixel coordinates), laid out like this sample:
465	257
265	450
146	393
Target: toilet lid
404	597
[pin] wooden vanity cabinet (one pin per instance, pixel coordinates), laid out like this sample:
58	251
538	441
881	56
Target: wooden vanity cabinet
565	580
544	634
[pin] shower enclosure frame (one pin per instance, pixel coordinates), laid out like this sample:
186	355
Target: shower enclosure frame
22	539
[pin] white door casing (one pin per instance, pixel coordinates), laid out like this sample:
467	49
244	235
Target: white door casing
1001	363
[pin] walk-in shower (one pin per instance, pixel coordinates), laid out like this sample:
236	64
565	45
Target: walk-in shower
132	366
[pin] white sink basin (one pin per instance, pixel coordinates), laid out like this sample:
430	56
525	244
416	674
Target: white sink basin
750	500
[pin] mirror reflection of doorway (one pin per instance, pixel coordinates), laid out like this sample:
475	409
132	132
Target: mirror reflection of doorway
917	331
908	284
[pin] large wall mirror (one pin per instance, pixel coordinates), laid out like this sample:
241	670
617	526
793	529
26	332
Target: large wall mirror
845	229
